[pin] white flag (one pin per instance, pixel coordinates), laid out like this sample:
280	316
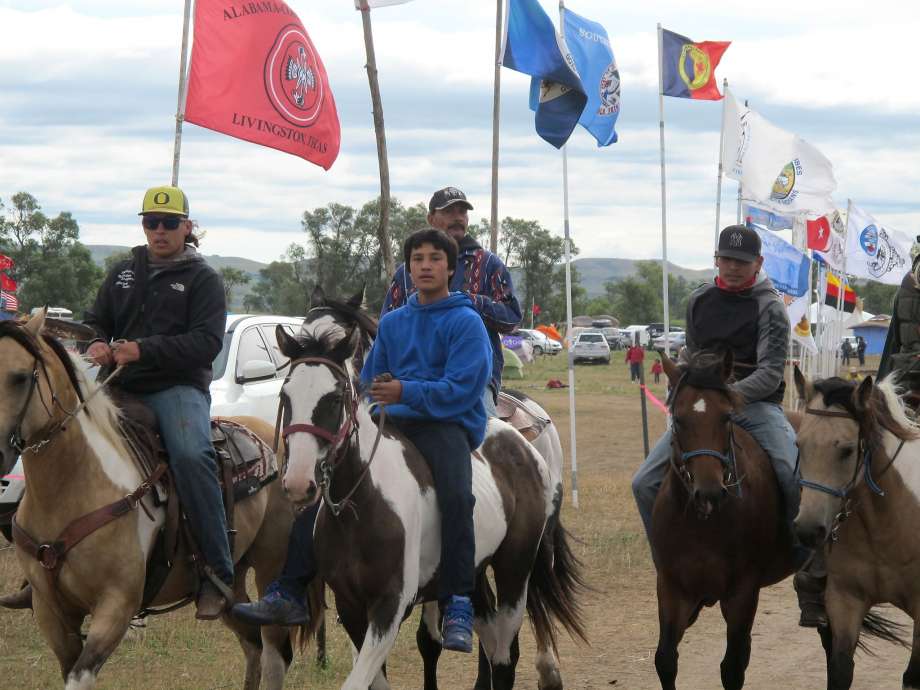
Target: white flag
876	252
798	319
776	168
379	3
835	254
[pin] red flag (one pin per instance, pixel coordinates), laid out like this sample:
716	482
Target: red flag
536	309
5	262
819	234
7	283
256	75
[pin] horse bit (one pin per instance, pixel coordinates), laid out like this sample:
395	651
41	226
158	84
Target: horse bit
865	464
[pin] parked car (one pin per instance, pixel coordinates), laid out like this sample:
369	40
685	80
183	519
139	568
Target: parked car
616	339
246	380
541	343
591	346
631	333
676	341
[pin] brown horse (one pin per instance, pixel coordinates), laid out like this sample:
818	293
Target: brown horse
860	464
716	525
76	460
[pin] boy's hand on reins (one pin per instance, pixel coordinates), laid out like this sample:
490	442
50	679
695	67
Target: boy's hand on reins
386	390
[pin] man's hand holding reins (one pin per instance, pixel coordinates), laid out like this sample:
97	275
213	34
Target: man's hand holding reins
100	353
126	351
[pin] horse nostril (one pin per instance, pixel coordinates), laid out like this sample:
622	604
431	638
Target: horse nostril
311	491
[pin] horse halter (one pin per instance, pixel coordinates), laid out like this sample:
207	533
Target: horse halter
727	459
864	464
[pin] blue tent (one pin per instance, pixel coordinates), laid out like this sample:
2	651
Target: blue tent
873	331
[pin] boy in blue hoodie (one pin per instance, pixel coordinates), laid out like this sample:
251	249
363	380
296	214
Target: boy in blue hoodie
429	365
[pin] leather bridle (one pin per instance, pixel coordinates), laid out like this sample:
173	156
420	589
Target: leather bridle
338	440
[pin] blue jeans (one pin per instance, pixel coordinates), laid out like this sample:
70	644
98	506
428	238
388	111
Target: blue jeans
766	422
184	417
488	400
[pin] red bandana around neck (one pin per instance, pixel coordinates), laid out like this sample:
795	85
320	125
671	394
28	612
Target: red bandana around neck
746	286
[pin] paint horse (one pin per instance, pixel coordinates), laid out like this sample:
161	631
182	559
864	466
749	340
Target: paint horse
78	462
716	526
377	534
859	457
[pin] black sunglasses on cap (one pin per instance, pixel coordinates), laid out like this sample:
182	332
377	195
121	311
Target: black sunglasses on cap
169	222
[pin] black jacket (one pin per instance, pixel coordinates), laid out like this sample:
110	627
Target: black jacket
178	321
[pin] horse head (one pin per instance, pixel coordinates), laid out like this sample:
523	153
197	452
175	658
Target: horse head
319	397
32	385
703	452
838	438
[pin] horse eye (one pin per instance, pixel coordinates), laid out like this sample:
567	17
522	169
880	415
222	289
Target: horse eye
18	379
846	451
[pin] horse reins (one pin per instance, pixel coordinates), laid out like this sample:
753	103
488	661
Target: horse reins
864	464
337	441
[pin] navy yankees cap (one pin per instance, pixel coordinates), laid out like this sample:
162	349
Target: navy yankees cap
739	242
448	196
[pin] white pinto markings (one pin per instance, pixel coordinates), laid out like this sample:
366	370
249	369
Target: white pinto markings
431	616
304	390
120	469
325	327
85	680
699	406
507	624
906	462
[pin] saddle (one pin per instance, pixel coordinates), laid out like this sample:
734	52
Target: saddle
245	466
511	410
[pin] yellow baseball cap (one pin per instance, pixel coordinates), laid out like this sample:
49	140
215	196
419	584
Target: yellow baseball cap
169	200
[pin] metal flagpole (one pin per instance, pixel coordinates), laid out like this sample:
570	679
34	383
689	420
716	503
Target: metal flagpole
740	187
721	149
383	235
568	299
496	118
183	88
664	207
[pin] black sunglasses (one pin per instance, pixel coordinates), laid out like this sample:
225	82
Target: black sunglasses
169	222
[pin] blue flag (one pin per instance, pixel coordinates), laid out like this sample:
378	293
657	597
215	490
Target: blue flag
600	76
785	265
533	47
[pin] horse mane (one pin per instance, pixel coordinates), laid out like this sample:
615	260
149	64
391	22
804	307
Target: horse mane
885	409
101	411
704	370
339	350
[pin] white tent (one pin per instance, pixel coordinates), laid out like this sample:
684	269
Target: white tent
829	314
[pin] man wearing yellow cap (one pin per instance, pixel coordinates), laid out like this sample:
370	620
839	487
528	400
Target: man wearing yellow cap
162	314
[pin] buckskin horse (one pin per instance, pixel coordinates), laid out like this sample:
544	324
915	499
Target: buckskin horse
82	472
716	530
377	533
859	457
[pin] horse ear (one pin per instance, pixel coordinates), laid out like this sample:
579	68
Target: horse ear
728	365
804	387
357	299
671	370
288	345
35	324
318	297
862	394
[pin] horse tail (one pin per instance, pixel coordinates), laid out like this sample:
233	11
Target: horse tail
877	626
556	584
316	605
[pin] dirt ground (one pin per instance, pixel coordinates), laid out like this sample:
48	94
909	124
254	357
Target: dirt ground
175	652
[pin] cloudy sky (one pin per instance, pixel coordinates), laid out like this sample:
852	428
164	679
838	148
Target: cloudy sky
89	95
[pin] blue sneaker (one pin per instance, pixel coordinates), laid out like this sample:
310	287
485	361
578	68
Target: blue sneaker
277	607
457	626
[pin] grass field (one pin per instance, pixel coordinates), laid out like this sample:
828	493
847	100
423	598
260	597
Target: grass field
178	652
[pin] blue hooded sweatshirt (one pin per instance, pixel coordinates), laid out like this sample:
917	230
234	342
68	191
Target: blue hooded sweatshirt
441	354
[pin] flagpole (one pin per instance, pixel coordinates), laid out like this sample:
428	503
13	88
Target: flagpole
383	236
664	208
738	211
183	84
496	119
721	150
568	296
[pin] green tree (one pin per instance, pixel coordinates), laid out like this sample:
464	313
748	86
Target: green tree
51	265
877	297
113	260
232	277
639	298
278	291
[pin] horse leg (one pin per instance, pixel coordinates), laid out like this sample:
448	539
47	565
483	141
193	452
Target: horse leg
845	615
499	636
738	611
827	643
483	615
62	633
248	636
911	678
428	640
376	640
674	617
548	676
109	624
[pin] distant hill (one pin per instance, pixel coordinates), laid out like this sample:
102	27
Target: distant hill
594	272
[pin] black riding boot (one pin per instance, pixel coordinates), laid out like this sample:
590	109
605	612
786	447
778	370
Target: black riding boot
810	583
